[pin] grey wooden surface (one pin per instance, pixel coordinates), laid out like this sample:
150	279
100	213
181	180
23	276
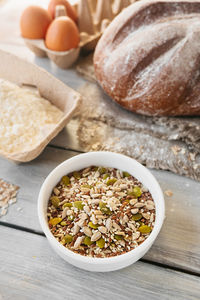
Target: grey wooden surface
178	244
29	269
34	272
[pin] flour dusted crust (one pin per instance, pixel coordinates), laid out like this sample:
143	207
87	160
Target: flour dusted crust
148	59
25	118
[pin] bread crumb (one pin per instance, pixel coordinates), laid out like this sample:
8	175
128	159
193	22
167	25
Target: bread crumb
175	149
192	156
168	193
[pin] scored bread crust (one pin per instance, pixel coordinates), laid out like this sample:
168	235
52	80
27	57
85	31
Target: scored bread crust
148	59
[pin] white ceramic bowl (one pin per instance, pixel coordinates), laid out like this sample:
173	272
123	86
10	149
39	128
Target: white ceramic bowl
107	159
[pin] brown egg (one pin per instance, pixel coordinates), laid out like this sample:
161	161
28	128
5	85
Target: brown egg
71	13
34	22
62	35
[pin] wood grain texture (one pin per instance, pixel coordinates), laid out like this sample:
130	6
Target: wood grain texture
34	271
177	245
29	177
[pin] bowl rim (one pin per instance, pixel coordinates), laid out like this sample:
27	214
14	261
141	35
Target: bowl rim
95	260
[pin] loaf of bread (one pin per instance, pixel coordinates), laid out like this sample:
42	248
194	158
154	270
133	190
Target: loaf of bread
148	59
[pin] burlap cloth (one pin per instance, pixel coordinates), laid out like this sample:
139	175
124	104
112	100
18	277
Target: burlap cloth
168	143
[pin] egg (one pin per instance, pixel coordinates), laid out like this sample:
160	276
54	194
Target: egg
62	34
34	22
71	13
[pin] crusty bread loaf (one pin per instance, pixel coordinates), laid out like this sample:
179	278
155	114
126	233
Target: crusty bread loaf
148	59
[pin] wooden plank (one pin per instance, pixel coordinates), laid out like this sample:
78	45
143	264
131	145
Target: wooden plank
29	177
179	240
67	138
178	243
31	270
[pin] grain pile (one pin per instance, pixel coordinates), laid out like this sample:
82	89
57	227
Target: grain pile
26	118
101	212
8	194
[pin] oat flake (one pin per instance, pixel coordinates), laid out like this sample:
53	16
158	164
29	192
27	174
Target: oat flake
8	193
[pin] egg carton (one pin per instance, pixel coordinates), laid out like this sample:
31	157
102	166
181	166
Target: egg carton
93	18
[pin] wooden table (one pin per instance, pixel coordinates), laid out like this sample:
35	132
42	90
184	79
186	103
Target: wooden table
29	268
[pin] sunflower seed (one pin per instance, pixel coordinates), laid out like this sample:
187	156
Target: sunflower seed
76	229
87	231
139	204
102	229
96	236
108	224
78	242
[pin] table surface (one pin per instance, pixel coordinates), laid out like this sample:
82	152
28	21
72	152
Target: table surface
29	269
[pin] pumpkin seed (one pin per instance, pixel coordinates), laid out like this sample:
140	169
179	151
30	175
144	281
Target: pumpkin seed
94	226
55	221
136	192
76	175
118	237
65	180
102	204
67	239
104	209
55	201
145	229
100	243
102	170
111	181
87	186
137	217
106	176
68	204
78	204
63	223
126	174
87	241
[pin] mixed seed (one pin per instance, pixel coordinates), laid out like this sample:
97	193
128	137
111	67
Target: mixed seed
100	212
